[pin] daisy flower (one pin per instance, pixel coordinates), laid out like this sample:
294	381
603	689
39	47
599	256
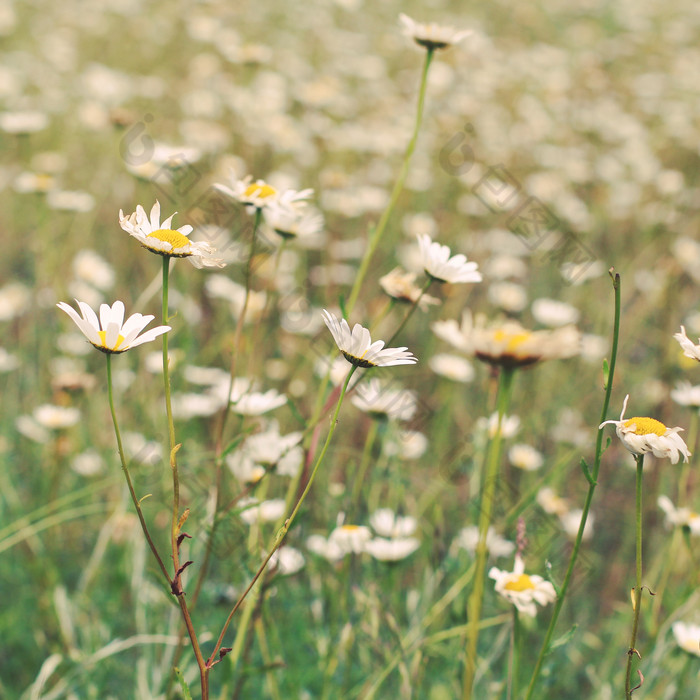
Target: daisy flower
681	517
110	333
383	403
260	194
160	238
522	589
642	435
294	222
508	344
359	350
687	636
689	349
401	286
440	266
431	36
497	546
391	549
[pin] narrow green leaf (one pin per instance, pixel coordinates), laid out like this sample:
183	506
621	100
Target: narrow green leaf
183	684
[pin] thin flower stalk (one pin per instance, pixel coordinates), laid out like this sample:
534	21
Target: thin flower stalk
176	521
488	491
632	651
377	234
281	534
127	475
592	478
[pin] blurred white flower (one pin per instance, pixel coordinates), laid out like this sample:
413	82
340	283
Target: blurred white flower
431	36
253	511
441	266
687	636
686	394
497	546
56	417
680	517
521	589
288	560
388	524
553	313
453	367
382	402
509	425
525	457
391	549
400	285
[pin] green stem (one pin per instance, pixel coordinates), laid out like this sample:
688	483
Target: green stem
488	490
638	581
176	525
360	476
376	235
281	534
127	475
514	670
589	496
411	311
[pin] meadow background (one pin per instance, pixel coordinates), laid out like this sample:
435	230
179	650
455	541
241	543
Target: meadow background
591	108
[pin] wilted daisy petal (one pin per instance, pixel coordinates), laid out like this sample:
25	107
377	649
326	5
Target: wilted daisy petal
641	435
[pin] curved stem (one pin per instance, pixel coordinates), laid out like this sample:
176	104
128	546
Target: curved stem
125	469
176	521
589	496
281	534
638	580
488	490
376	235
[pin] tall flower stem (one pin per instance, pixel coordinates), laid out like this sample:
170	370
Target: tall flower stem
632	651
127	475
376	235
488	490
178	521
514	670
226	412
282	532
592	478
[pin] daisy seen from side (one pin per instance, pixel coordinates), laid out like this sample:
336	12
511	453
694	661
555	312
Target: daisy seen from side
641	435
359	350
110	333
431	36
441	266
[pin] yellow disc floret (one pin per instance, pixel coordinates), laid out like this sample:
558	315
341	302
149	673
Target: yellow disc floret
103	339
261	191
645	426
520	584
175	238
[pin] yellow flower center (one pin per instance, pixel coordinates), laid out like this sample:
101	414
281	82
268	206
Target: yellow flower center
513	340
644	426
175	238
350	527
103	336
522	583
261	191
